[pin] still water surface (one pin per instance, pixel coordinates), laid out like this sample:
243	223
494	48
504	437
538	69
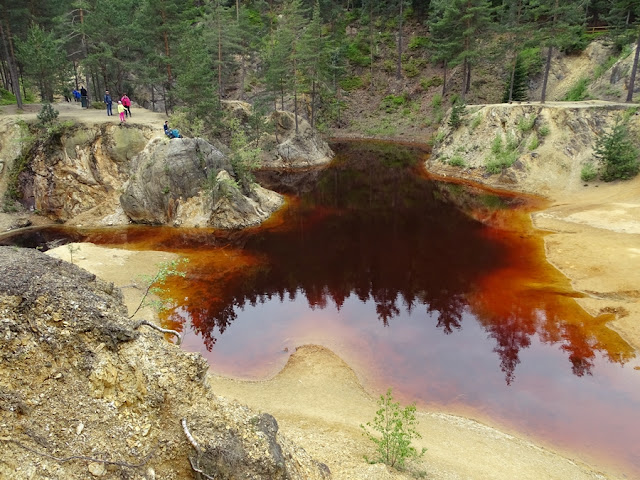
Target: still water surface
438	290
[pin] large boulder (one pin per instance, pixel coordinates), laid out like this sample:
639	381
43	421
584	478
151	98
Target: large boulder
166	173
293	149
185	182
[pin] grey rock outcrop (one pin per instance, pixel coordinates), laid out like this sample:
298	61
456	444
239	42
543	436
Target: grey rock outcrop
185	182
165	173
302	149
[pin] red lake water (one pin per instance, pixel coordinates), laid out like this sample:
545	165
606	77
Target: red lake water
439	290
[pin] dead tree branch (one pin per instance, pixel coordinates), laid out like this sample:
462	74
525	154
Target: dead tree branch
160	329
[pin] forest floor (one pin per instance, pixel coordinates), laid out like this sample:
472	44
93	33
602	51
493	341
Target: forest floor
319	401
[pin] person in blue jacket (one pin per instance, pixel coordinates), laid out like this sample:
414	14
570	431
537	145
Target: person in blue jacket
171	133
108	102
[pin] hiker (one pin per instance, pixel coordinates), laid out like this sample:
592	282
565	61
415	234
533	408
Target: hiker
108	102
121	111
76	95
84	96
171	133
127	104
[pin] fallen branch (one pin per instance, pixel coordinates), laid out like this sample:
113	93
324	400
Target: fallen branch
79	457
160	329
195	445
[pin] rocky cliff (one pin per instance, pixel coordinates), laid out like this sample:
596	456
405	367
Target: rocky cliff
531	148
87	393
101	173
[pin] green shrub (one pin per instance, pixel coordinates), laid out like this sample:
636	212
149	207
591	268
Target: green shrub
476	122
351	83
395	429
457	112
504	154
578	92
534	143
617	154
544	130
6	97
457	161
391	103
47	115
532	60
412	67
588	172
526	124
358	53
417	42
427	83
496	145
436	101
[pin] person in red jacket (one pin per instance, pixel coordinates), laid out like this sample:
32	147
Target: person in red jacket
126	102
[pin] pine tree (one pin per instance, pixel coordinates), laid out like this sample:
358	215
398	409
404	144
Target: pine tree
516	88
624	18
43	60
617	153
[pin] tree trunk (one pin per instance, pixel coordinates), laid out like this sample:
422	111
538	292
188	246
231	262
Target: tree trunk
399	65
295	92
444	82
632	79
547	67
313	102
12	69
513	76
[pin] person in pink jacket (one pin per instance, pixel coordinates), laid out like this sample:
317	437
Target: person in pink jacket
127	104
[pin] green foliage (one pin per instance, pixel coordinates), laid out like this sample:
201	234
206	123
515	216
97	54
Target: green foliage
617	153
578	92
417	42
457	112
436	101
244	157
534	143
6	97
358	53
391	103
457	161
155	295
395	429
412	67
476	122
504	154
219	189
519	91
427	83
351	83
526	124
544	130
48	115
532	61
588	172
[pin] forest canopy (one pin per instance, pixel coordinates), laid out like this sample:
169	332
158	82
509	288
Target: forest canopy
190	54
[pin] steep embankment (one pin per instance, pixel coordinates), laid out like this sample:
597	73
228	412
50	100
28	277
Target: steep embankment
597	224
93	171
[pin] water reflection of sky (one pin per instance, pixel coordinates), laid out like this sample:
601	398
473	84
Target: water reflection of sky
597	413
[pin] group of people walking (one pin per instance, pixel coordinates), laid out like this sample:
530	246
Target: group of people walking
124	106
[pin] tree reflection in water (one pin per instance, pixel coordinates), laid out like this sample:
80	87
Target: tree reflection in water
372	227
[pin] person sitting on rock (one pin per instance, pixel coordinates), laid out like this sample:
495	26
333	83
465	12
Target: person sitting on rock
171	133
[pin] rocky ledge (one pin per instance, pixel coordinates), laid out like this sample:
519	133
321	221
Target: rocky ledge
85	392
